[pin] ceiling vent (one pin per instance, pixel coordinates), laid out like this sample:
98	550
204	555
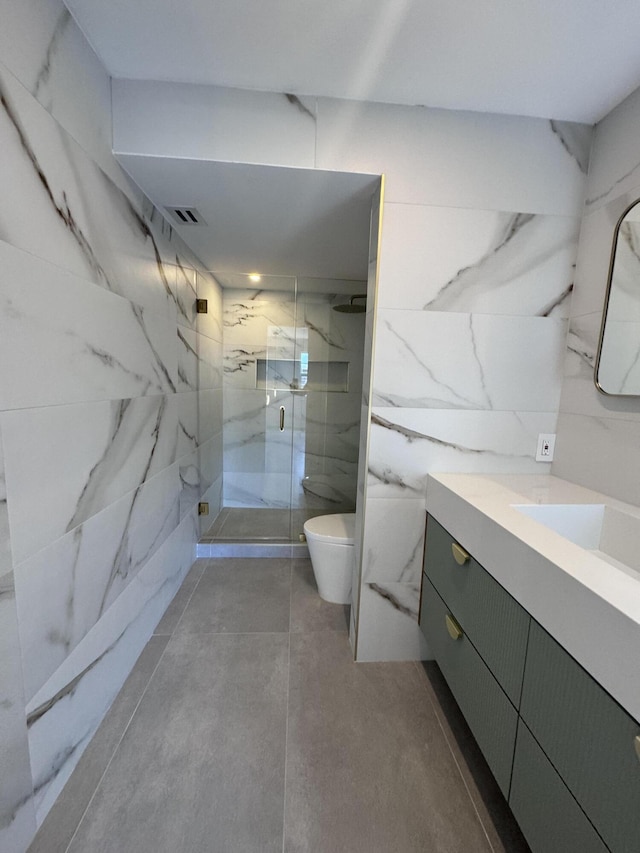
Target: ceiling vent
186	215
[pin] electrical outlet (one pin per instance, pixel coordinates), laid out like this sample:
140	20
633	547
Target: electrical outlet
546	445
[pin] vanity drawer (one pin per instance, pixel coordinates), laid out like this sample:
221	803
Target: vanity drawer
588	738
494	622
549	817
490	715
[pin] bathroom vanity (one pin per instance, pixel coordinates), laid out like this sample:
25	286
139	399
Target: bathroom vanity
531	607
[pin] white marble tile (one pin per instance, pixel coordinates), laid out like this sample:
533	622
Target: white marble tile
468	361
407	444
67	463
393	541
615	159
483	261
67	211
240	364
64	340
457	159
187	404
388	623
209	324
66	711
259	127
209	414
65	589
190	482
188	359
601	453
186	294
210	461
17	815
594	255
259	321
213	496
252	438
44	48
6	562
209	363
252	489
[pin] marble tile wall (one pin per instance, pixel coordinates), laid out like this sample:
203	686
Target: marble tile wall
598	443
105	373
324	425
475	273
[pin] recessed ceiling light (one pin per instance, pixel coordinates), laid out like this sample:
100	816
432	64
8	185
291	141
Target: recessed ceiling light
254	276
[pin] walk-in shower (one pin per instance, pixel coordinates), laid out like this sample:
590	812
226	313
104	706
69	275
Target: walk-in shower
292	394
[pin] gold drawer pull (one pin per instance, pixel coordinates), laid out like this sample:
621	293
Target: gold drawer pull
459	554
636	743
455	631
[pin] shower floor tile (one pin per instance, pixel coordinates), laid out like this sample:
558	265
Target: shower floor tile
254	523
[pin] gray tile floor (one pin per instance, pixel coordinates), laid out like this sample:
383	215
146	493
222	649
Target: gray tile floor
246	726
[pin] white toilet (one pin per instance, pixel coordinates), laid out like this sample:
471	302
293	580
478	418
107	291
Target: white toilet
330	541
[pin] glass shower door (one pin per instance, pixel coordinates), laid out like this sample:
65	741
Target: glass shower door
327	404
259	351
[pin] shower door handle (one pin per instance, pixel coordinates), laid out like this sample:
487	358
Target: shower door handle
281	418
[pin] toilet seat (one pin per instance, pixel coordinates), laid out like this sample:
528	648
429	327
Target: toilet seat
339	528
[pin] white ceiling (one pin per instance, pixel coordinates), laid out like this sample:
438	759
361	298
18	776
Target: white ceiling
562	59
267	219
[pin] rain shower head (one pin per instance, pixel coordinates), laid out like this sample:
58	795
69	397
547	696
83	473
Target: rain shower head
350	307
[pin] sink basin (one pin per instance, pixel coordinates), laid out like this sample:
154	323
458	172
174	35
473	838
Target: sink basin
610	533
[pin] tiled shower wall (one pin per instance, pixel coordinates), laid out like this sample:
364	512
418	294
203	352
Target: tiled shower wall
102	460
599	437
479	236
260	469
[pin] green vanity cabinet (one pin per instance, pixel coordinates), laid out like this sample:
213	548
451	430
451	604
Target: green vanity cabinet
549	817
587	736
563	751
490	715
494	621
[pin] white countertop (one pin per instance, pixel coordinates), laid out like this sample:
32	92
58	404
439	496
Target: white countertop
589	604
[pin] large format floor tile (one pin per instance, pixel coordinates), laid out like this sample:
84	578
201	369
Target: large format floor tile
201	767
240	596
308	611
246	726
368	768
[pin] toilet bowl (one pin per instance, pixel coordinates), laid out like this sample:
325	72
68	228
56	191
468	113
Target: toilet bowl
330	541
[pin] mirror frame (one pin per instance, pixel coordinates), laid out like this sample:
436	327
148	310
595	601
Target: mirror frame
605	310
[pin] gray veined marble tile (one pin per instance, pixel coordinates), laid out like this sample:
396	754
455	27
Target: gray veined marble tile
57	830
99	346
187	404
615	167
66	588
259	321
67	463
5	536
209	324
477	261
78	218
615	469
186	294
48	53
67	710
454	158
209	414
406	444
468	361
393	541
188	358
388	622
17	815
